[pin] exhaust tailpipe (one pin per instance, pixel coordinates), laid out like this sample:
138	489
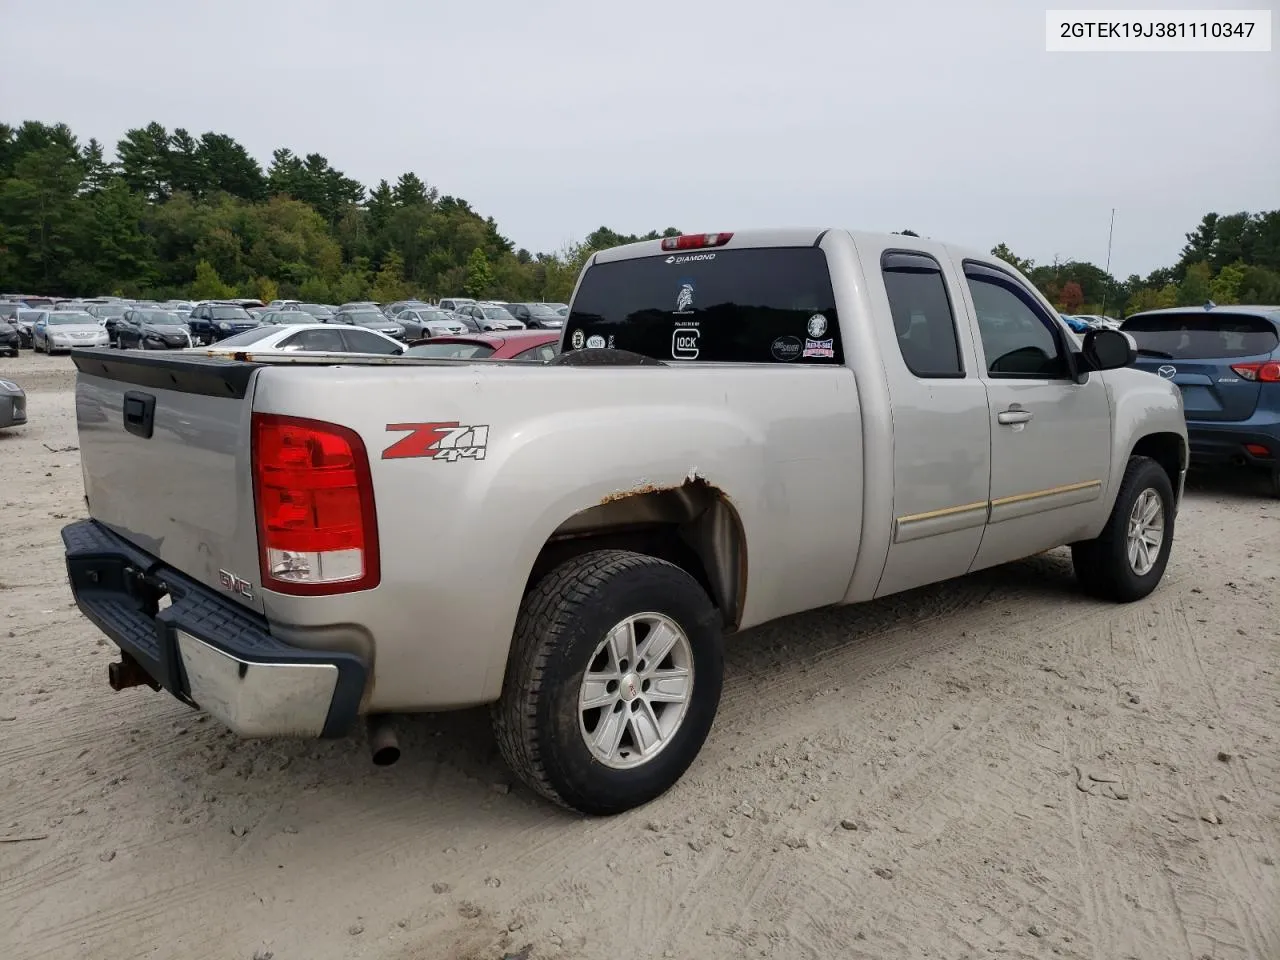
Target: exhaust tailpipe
129	673
384	745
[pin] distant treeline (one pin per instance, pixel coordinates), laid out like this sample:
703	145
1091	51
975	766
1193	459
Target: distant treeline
172	214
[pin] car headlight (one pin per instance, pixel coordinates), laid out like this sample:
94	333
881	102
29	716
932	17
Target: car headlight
224	326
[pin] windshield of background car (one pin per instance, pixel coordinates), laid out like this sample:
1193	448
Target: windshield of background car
496	313
230	313
9	310
1202	336
368	318
755	305
247	337
315	309
451	351
435	316
108	312
69	317
541	312
161	318
29	316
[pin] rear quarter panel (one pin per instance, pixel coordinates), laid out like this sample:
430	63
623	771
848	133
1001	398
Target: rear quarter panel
458	539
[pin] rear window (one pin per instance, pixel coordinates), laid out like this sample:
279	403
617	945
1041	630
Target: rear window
451	351
1201	336
760	305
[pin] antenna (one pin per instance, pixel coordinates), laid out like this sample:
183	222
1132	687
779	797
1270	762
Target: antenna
1110	233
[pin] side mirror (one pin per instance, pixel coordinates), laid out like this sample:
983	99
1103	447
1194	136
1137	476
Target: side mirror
1108	349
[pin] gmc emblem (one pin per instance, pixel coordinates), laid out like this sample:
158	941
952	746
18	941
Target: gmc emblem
233	584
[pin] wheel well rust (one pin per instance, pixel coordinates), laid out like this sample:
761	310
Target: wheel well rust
692	524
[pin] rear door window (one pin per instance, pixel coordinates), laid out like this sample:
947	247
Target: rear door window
324	341
362	341
1201	336
922	315
755	305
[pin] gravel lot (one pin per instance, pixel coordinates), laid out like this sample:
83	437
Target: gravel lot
995	765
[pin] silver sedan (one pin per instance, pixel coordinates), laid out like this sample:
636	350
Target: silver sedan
63	330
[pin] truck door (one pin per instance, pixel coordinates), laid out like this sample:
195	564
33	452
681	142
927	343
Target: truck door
1050	436
941	422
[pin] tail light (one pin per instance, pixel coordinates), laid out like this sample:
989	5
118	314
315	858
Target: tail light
696	241
1258	450
317	530
1268	372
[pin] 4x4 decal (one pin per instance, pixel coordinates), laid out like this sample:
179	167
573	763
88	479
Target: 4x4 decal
449	441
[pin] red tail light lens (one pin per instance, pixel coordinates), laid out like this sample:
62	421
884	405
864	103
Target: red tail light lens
696	241
317	530
1268	372
1258	450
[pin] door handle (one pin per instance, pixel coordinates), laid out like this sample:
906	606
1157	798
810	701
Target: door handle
1008	417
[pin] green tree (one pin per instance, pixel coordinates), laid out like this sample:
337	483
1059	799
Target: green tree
1225	287
1003	252
479	275
208	285
389	284
145	161
1194	288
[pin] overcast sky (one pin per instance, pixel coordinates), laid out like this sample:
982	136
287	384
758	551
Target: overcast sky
557	116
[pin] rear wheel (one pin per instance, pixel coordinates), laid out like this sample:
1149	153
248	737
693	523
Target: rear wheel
612	683
1126	561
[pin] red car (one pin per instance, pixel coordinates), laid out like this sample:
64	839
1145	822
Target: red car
508	345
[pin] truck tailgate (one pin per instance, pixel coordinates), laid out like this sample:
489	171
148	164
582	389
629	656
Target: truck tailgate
165	451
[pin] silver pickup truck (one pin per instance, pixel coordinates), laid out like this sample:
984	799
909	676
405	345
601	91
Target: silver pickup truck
739	427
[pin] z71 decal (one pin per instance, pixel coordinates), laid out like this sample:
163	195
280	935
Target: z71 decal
438	441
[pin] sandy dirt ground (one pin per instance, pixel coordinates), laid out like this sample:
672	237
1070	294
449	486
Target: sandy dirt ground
992	766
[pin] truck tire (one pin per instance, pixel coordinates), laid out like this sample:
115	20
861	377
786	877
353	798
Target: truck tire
581	639
1126	561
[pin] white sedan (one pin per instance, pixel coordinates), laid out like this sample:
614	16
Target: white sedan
305	338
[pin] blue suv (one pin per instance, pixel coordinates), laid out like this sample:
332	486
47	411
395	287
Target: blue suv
1226	360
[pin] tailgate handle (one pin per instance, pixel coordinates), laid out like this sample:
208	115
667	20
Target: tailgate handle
140	413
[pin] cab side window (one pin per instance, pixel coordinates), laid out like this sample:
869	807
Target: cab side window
922	314
1019	341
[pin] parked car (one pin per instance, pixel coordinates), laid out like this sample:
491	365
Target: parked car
393	309
1226	362
11	312
369	317
288	339
488	317
212	321
13	405
38	303
560	308
25	323
453	303
152	330
319	311
61	330
509	345
287	317
859	414
1077	324
108	314
10	339
427	321
535	316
